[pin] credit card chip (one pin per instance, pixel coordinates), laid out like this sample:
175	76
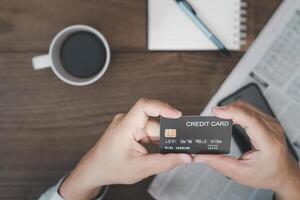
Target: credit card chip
170	133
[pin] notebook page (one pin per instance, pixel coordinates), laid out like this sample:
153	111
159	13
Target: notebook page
170	28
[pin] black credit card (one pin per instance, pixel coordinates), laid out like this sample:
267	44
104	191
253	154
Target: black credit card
195	135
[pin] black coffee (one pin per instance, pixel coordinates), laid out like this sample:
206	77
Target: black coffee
83	54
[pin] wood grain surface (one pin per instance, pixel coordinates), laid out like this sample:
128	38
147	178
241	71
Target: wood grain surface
46	125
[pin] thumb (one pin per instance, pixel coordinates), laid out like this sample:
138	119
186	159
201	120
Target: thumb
157	163
226	165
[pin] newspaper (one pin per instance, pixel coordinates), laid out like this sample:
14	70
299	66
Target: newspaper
273	62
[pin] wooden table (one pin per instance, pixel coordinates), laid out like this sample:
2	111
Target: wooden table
46	125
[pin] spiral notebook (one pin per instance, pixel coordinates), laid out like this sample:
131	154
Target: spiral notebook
170	29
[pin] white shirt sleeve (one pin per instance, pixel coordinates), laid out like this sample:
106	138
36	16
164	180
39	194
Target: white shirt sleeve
52	193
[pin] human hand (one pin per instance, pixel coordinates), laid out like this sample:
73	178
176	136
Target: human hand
269	165
119	156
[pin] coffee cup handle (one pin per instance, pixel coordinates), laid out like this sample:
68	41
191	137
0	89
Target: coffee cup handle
41	62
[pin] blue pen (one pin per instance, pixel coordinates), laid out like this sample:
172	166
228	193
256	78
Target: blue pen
191	13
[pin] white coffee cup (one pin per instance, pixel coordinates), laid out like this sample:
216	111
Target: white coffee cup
52	59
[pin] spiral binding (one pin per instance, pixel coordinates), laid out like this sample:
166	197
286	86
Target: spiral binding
243	26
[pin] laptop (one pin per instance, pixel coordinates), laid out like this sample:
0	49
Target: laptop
273	63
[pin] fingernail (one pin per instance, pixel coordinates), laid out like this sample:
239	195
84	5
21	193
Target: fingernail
177	113
186	158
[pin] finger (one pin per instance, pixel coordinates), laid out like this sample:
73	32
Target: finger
226	165
139	148
155	141
150	133
248	119
116	120
269	121
146	108
255	109
157	163
152	129
144	140
147	140
274	126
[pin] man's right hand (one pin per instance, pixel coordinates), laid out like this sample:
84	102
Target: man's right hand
269	165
